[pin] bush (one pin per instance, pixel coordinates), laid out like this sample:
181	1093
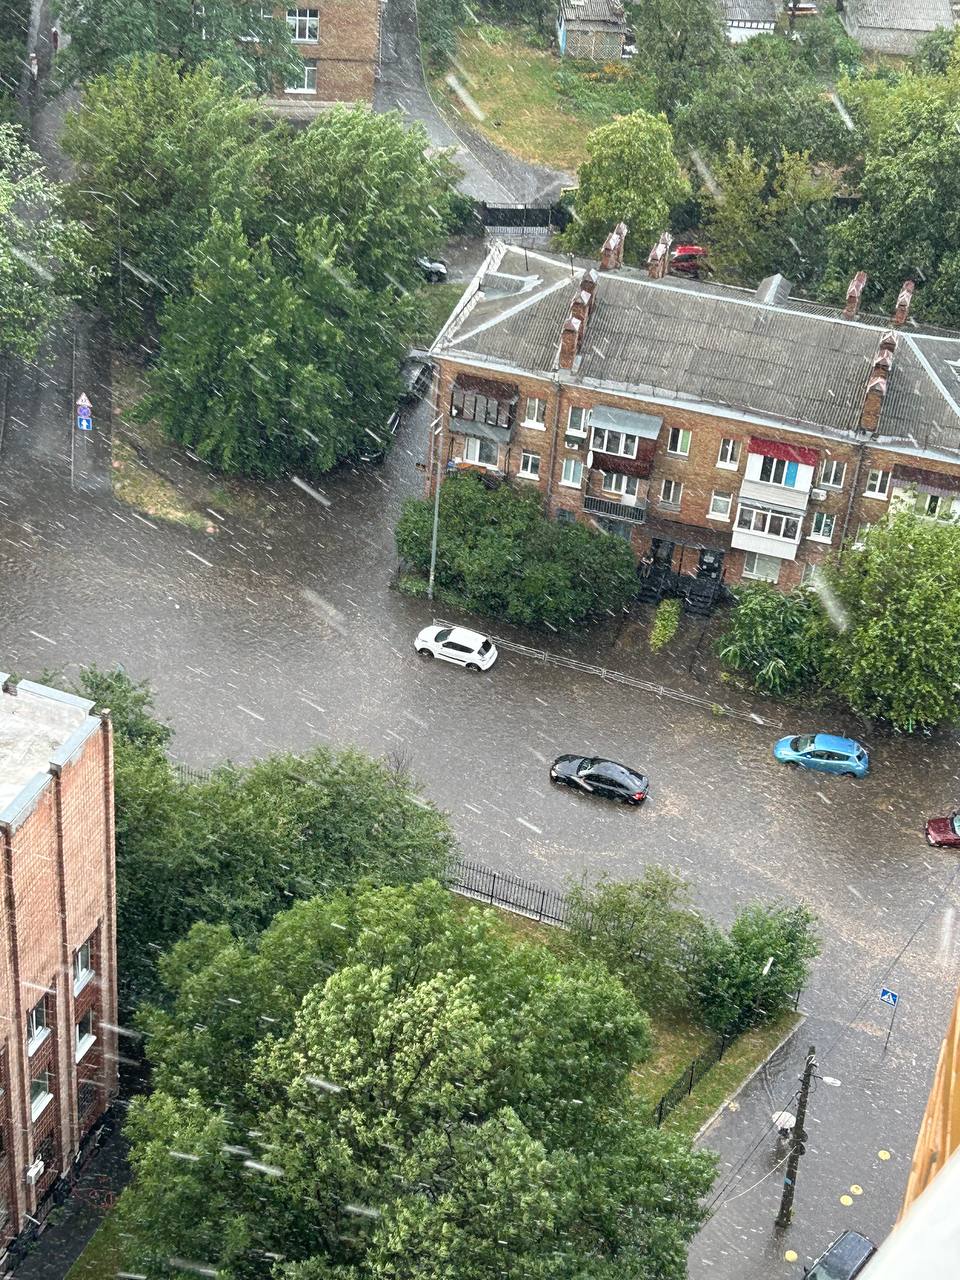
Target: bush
501	556
664	624
597	94
775	638
440	21
732	989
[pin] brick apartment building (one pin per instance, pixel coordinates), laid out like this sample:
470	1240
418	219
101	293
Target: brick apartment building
58	1008
724	432
339	42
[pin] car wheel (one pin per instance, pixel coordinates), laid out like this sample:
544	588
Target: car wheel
472	666
425	653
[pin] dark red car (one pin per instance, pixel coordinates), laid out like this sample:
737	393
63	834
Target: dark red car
688	259
944	832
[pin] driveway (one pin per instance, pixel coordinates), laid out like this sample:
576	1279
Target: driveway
489	174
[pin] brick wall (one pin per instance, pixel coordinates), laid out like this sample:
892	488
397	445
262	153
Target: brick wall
346	51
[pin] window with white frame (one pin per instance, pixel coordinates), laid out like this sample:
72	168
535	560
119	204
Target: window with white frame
764	568
772	524
85	1035
82	966
720	504
483	452
861	535
832	472
779	471
810	574
617	442
306	80
37	1028
265	11
678	442
822	526
671	492
572	475
40	1094
878	484
577	421
729	455
530	465
304	25
614	482
936	506
536	412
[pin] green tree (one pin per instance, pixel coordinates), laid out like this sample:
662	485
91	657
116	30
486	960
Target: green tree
934	51
777	639
410	1092
242	41
632	176
678	42
130	704
14	38
155	149
39	248
898	656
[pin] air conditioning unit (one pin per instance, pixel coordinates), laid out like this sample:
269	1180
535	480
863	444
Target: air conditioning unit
34	1173
572	444
818	495
628	500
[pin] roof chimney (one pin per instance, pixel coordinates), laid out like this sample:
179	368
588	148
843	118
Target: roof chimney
878	382
658	259
580	309
611	255
569	342
854	290
588	284
902	308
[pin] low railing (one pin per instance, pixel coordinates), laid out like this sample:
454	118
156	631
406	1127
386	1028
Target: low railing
635	514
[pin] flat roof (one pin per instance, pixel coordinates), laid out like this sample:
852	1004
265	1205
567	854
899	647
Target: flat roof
36	722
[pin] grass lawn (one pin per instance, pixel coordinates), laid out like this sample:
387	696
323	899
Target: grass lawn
515	89
434	304
101	1259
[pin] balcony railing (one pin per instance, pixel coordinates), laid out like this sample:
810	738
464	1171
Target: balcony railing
633	514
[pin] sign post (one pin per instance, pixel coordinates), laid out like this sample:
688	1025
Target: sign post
890	998
84	414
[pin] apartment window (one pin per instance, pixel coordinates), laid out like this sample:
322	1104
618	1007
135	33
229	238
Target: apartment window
37	1029
861	535
536	413
720	504
779	471
577	421
613	482
764	568
823	525
87	1095
85	1036
565	517
306	80
729	455
670	493
530	465
878	484
615	528
82	966
811	572
772	524
40	1094
678	442
304	24
832	473
572	475
483	452
265	11
615	442
476	408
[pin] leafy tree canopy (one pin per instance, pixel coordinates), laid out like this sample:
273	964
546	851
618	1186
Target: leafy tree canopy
405	1092
678	42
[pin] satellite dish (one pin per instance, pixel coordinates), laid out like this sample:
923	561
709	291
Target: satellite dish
590	460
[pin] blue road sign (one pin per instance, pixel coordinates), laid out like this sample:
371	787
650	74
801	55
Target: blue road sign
889	997
84	424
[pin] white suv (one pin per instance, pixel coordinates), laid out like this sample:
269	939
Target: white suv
455	644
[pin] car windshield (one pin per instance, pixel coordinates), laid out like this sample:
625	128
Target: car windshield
803	743
484	648
585	766
443	635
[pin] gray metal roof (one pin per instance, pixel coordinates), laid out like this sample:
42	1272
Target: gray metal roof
594	13
902	15
800	364
752	10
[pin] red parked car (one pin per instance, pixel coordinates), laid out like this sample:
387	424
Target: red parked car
944	832
688	259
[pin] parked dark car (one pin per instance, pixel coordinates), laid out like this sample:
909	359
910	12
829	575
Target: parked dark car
601	778
432	269
843	1259
944	832
375	451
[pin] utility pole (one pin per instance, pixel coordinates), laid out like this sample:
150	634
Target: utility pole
798	1138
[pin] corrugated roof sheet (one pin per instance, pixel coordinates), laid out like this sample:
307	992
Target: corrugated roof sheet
903	15
605	12
751	10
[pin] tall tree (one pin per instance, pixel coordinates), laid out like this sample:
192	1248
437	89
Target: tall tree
243	41
679	42
40	248
632	176
407	1092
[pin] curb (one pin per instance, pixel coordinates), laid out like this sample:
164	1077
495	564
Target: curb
743	1084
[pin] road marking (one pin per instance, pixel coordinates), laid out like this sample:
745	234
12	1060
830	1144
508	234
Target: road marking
41	637
847	1200
525	823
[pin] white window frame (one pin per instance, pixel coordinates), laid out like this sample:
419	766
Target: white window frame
713	514
37	1034
628	443
821	517
617	482
83	970
86	1040
309	65
752	573
475	444
40	1103
863	528
811	571
760	519
536	413
584	417
683	437
527	474
576	467
880	494
778	472
676	492
732	463
832	464
300	19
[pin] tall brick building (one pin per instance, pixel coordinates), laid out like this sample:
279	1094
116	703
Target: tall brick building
58	987
723	432
339	42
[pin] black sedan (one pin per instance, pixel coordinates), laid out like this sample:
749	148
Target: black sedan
601	778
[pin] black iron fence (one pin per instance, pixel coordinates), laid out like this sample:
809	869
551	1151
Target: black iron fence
684	1084
502	889
518	217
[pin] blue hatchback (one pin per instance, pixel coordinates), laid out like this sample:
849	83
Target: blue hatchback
826	752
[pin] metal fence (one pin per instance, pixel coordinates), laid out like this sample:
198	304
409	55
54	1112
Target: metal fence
187	773
683	1086
502	889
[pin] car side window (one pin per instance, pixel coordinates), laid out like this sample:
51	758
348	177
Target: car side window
456	648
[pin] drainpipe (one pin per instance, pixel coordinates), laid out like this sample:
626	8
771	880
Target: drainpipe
855	488
553	445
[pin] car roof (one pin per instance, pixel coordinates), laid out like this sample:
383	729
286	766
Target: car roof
830	742
843	1258
460	635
